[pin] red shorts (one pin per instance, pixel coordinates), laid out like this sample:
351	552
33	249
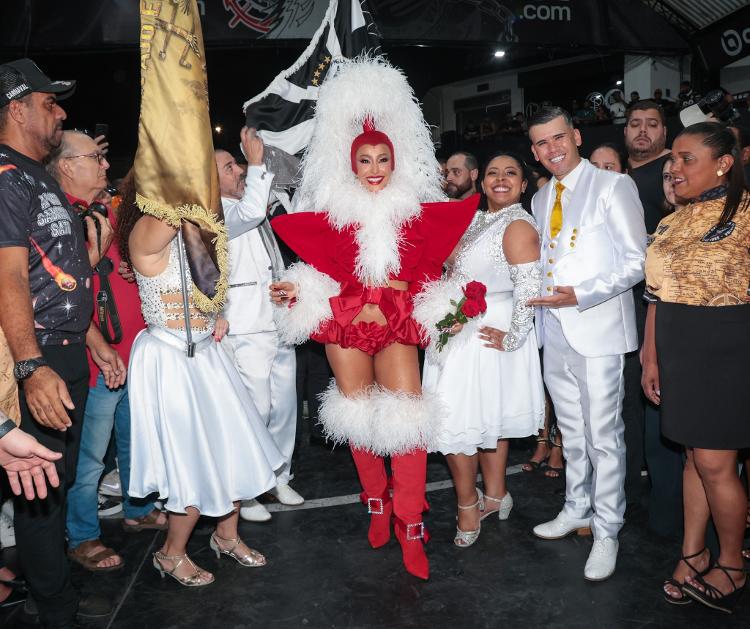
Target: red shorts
370	337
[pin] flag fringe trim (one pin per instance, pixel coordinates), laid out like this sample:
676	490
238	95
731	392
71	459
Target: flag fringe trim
174	216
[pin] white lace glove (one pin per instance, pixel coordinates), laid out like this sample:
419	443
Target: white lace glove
527	283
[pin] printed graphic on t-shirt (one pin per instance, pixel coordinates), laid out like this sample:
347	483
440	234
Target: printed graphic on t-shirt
34	213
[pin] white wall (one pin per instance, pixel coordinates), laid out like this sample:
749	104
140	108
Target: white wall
735	77
645	74
448	94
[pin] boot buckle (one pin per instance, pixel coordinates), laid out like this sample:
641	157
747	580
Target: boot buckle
375	506
419	527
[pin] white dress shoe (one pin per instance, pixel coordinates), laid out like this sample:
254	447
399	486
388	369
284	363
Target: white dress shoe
253	511
286	495
601	562
562	526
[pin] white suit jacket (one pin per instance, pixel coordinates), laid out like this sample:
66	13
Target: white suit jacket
600	252
248	308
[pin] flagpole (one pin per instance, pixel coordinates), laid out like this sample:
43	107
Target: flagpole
185	303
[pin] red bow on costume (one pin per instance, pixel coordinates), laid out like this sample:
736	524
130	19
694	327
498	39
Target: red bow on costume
395	305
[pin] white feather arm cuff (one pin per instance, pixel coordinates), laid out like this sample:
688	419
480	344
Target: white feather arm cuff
430	306
296	323
381	421
432	303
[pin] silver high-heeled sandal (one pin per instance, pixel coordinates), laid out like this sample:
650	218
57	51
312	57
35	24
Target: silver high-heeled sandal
505	506
198	578
464	539
252	559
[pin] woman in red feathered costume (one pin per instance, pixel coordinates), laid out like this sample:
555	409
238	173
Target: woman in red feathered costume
378	229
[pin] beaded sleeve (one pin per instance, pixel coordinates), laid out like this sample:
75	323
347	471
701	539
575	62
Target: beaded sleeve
527	282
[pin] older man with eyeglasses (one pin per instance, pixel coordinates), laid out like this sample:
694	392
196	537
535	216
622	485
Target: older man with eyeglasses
45	312
80	167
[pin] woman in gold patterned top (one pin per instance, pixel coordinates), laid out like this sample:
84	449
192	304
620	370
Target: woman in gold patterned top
695	354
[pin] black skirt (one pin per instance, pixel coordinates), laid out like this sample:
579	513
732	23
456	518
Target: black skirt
704	374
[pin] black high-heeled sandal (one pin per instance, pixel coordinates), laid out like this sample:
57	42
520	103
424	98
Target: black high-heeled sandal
557	472
712	596
17	595
684	600
533	466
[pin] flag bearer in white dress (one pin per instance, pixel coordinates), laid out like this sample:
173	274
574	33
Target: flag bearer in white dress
267	366
593	248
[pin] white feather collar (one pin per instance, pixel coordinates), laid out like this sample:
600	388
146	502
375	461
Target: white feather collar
378	218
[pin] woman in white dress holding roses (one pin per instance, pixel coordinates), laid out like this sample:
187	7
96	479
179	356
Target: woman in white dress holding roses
488	373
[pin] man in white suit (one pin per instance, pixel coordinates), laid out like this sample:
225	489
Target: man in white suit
593	248
267	367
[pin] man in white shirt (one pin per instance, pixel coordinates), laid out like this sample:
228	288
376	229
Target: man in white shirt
593	248
267	367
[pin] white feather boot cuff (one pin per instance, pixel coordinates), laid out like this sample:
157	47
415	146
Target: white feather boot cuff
296	323
381	421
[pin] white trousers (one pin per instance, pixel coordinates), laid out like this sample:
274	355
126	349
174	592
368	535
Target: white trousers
269	371
587	394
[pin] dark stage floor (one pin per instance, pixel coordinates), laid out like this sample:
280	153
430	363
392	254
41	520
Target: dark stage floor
322	573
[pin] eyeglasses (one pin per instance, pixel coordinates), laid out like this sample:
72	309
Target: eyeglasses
98	156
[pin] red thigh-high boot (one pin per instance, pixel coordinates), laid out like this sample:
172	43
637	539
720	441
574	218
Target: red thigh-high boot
376	495
409	477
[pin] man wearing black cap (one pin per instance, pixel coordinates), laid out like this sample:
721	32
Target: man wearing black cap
45	312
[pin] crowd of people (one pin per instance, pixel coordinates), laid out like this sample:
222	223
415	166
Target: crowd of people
571	302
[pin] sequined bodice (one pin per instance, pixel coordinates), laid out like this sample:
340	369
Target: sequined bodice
161	300
481	256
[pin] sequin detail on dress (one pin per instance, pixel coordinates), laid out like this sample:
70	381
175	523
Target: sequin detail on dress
161	298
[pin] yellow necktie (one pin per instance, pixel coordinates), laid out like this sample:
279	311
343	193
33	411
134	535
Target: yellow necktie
556	218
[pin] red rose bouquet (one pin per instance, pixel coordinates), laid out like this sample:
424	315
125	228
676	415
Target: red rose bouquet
471	305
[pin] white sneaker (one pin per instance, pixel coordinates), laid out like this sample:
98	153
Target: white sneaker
111	485
562	526
286	495
108	506
601	562
7	532
253	511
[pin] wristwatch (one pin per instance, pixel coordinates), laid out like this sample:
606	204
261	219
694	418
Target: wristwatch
24	368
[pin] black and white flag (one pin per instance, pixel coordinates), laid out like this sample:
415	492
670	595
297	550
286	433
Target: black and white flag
283	112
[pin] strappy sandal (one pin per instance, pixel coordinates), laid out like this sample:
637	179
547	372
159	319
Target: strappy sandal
464	539
252	559
684	600
148	522
533	466
713	597
505	504
556	471
81	554
198	578
17	595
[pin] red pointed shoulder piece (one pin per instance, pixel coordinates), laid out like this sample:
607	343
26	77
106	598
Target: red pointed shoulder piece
441	226
313	239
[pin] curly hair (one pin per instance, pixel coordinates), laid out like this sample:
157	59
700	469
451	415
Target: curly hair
128	214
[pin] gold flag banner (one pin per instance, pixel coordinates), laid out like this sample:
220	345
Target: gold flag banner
175	171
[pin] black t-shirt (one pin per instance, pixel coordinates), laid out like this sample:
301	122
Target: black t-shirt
34	213
648	180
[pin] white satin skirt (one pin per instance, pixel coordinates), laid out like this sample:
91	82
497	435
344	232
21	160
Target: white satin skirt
197	439
490	394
